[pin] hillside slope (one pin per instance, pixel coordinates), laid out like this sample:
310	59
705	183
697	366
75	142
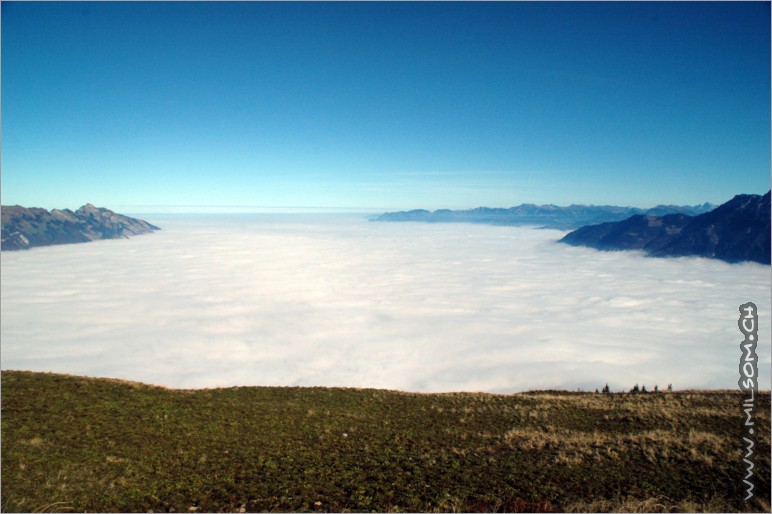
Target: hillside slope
82	444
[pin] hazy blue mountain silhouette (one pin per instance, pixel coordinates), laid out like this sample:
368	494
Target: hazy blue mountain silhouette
738	230
544	216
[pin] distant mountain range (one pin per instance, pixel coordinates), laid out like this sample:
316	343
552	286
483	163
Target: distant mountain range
543	216
738	230
24	228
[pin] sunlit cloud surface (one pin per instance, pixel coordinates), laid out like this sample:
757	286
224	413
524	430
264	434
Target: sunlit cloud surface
337	301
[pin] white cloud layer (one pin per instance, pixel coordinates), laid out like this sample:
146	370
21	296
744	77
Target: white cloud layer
337	301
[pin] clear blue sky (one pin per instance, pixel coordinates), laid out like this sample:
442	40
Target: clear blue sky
136	106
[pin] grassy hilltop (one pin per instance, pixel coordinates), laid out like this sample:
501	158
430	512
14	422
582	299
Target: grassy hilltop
81	444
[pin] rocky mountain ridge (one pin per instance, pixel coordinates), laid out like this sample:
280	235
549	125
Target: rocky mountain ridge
24	228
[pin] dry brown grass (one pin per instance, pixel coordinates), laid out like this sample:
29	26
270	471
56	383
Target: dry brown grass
663	504
659	446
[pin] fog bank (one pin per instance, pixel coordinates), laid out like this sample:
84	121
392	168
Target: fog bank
337	301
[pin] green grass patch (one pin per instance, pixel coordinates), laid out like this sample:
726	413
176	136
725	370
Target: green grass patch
82	444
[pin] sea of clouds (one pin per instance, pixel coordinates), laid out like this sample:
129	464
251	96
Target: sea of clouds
331	300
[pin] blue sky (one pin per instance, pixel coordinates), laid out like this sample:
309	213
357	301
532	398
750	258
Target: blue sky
152	107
